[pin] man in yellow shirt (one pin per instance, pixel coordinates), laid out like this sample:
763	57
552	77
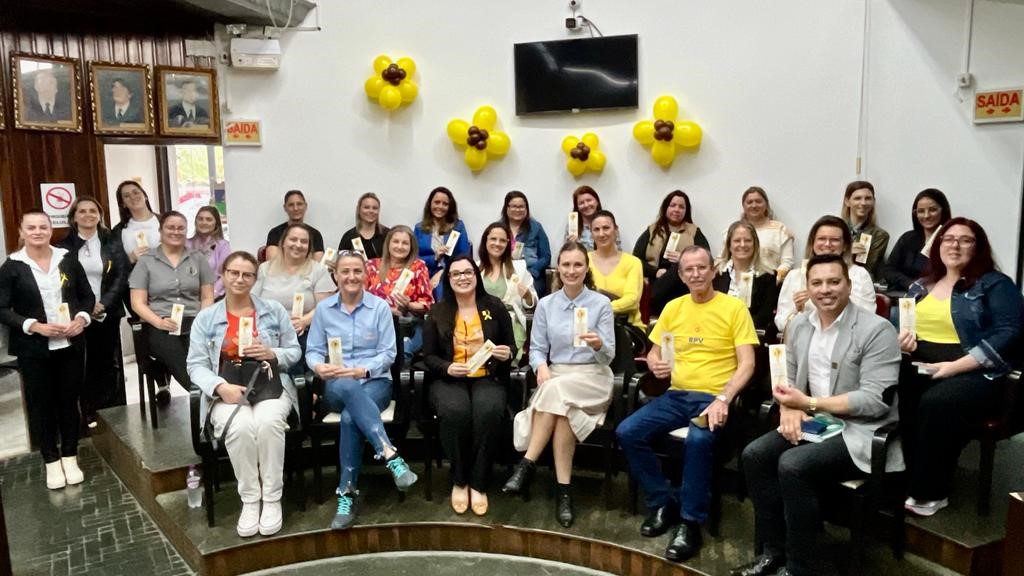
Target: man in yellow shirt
712	346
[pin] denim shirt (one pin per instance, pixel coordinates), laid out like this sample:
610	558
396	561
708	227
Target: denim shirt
274	326
536	252
987	318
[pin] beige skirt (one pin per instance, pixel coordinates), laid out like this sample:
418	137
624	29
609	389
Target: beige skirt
580	392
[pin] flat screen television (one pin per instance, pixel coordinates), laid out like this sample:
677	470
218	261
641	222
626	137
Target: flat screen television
578	74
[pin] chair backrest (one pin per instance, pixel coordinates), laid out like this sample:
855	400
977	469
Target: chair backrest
882	305
261	254
645	303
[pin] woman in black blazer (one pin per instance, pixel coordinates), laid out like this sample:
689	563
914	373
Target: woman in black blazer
102	257
470	404
742	255
45	300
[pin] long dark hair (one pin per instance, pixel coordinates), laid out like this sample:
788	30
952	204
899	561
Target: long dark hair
980	264
504	210
576	205
123	212
935	195
485	257
218	229
570	246
449	219
834	222
446	284
74	207
661	224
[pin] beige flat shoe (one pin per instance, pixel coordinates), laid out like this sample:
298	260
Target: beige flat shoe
460	500
479	502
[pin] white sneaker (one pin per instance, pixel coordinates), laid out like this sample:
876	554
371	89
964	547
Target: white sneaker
925	507
270	519
249	519
55	476
72	472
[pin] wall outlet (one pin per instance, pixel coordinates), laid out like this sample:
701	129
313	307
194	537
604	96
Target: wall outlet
964	80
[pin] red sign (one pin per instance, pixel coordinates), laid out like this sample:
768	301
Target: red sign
998	106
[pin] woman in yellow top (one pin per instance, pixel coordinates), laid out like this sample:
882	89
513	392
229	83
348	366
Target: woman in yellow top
618	275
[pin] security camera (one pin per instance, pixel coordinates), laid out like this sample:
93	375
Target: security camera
575	4
570	23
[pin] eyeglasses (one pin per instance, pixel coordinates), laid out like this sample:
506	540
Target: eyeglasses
351	253
461	274
965	241
235	274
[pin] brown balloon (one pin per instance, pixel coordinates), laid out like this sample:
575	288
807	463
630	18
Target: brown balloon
481	145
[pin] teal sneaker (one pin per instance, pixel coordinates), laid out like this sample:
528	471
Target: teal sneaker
345	516
404	478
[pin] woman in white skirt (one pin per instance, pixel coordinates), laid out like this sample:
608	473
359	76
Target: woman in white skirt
572	344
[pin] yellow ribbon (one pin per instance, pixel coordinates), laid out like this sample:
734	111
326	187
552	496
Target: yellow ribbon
487	315
63	279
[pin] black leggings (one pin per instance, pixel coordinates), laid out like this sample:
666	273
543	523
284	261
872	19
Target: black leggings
102	386
470	411
52	386
171	350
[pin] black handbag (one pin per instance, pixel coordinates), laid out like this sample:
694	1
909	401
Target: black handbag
261	383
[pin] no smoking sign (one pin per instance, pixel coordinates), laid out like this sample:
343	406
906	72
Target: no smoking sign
57	199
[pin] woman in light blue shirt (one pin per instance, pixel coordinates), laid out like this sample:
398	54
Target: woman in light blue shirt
574	380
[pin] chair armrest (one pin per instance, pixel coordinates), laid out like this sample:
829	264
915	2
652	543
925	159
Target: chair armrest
618	406
769	411
881	442
194	400
633	393
304	394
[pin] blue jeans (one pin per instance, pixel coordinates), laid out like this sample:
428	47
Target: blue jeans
360	404
665	413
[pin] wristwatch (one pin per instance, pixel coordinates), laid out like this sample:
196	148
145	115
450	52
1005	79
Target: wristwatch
723	398
812	404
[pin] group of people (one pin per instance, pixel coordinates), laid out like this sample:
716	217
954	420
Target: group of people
386	295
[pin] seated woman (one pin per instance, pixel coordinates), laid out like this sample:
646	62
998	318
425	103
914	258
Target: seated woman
210	242
574	380
501	280
292	273
368	228
440	219
859	214
741	256
164	276
413	301
675	215
829	235
909	257
616	274
774	237
351	348
969	318
254	434
586	203
470	404
535	252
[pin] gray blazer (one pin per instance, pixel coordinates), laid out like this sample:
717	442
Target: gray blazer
866	367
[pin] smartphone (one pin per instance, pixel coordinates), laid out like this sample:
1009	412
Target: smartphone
813	426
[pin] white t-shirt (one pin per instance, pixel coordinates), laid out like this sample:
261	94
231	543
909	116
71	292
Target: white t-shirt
150	227
92	262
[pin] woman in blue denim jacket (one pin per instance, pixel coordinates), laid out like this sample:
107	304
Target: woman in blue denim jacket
255	438
536	250
968	321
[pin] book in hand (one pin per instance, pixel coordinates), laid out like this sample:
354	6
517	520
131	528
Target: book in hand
821	427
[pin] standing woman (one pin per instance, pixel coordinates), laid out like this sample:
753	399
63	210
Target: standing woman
774	238
741	255
469	405
414	301
909	257
528	233
137	220
675	215
500	279
586	203
859	214
616	274
574	383
36	282
106	268
210	242
368	228
968	329
170	274
440	219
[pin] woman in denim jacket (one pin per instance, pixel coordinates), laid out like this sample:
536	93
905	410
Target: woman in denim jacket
255	439
535	252
968	320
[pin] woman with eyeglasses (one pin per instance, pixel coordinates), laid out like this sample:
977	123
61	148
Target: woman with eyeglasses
170	274
674	216
529	241
500	279
909	257
469	400
209	241
368	229
414	300
617	274
859	214
100	253
774	238
254	434
967	331
433	231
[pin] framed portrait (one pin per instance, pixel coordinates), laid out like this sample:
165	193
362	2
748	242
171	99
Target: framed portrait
47	93
122	98
188	104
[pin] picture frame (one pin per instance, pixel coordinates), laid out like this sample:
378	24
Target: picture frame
187	102
47	93
122	98
3	124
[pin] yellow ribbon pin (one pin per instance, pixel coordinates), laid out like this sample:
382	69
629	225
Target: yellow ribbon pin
487	315
63	279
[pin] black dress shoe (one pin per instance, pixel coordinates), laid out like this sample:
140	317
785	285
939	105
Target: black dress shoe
660	520
563	508
685	543
521	476
763	565
163	396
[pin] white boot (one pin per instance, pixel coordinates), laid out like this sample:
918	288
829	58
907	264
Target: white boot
72	472
55	476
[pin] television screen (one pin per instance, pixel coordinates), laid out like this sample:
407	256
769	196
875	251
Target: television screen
579	74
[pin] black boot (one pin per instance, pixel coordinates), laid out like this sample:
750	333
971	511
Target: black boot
522	474
563	506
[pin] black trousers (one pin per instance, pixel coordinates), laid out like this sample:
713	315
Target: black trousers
784	482
470	411
52	386
171	350
102	386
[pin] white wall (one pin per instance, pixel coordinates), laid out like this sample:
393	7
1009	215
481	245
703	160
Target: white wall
130	162
775	86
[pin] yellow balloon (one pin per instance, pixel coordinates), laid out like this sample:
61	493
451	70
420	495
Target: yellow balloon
596	160
458	131
687	134
475	159
575	167
373	86
643	131
568	143
485	117
390	97
498	143
590	139
663	153
409	90
408	65
380	63
666	108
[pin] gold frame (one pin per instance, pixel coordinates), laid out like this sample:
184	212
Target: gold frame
27	118
177	126
99	102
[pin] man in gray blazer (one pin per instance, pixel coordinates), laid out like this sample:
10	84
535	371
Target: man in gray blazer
841	360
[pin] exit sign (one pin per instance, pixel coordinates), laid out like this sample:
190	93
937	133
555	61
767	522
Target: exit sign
998	106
